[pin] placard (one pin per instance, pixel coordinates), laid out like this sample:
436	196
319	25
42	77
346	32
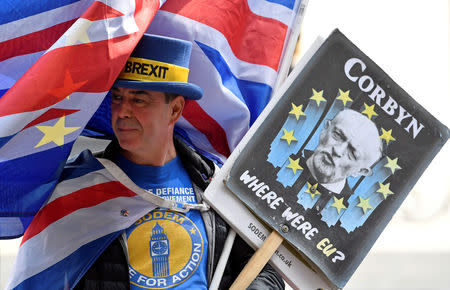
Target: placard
335	158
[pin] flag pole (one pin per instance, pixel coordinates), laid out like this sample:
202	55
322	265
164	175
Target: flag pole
223	260
290	47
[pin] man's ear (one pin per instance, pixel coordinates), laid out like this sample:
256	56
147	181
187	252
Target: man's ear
365	172
324	131
176	108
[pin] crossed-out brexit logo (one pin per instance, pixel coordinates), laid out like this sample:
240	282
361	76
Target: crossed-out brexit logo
165	249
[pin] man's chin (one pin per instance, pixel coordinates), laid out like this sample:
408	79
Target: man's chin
126	135
322	173
127	143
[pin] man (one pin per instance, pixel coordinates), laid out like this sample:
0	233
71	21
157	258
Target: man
147	247
348	146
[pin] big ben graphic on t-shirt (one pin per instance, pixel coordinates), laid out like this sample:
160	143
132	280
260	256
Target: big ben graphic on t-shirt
159	251
166	249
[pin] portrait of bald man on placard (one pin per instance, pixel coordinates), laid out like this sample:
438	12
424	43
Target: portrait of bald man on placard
349	145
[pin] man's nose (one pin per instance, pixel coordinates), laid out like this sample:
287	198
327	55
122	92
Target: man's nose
124	110
339	149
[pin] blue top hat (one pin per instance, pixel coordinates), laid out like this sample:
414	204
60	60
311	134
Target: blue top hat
160	63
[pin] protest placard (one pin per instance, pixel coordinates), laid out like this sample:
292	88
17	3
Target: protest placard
333	160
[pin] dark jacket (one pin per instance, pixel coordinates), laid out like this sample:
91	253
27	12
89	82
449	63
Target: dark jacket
110	271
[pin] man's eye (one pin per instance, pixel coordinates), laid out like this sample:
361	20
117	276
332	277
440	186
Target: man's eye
139	101
115	98
336	135
353	155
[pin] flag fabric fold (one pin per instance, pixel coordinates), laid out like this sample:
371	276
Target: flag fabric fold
56	250
54	75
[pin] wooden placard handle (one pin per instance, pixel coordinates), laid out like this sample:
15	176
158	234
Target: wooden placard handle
257	261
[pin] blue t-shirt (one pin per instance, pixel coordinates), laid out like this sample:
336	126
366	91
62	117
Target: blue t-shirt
166	249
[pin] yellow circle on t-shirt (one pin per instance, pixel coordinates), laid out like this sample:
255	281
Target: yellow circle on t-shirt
164	249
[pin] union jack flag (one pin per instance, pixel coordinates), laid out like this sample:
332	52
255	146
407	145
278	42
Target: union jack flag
58	60
236	55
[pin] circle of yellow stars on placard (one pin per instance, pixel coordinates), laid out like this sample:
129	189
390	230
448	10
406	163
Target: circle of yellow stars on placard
312	190
369	111
293	164
392	164
318	97
338	204
387	136
364	204
344	96
297	111
288	136
384	189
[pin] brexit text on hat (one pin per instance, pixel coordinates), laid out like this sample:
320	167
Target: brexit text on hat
140	69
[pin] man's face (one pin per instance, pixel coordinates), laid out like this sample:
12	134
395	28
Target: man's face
348	146
140	119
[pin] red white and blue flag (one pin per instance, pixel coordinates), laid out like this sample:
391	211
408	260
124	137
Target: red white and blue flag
58	60
237	50
87	210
